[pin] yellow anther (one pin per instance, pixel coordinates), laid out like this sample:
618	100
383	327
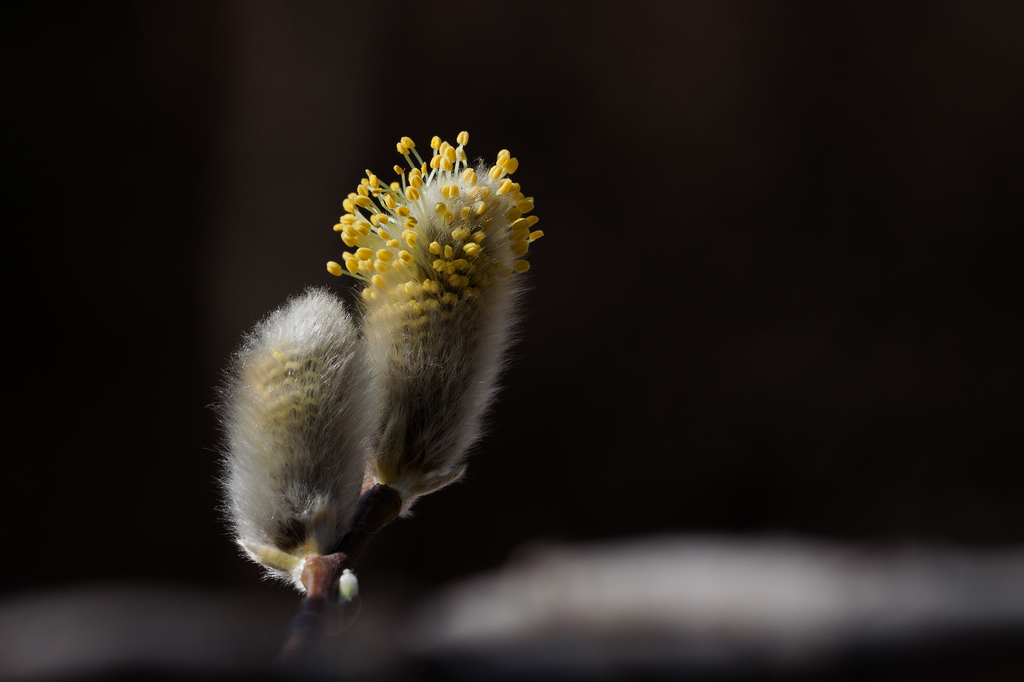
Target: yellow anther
532	220
479	193
378	281
435	248
377	218
525	205
519	248
472	249
398	169
363	202
423	169
448	251
464	213
406	256
364	253
435	161
403	211
462	138
520	266
410	238
450	268
389	201
349	206
511	165
440	207
453	191
450	154
416	180
505	187
479	237
430	286
479	208
408	142
439	264
334	268
461	264
449	298
385	255
339	227
536	234
503	156
374	180
496	172
395	186
350	238
369	295
402	149
431	304
435	142
513	214
446	164
362	227
393	243
364	187
460	233
381	265
469	176
352	265
412	193
449	218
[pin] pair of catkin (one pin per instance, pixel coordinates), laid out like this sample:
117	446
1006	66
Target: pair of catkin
319	403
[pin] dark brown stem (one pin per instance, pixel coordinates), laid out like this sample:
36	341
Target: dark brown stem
320	612
379	506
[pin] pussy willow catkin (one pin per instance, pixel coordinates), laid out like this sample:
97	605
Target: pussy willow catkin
439	252
298	409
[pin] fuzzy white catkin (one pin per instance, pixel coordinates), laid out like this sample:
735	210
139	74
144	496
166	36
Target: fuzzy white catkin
441	257
298	411
438	372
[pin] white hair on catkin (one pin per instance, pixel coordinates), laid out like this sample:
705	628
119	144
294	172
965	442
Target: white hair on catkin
298	411
438	383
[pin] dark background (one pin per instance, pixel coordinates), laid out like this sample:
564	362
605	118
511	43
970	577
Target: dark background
779	291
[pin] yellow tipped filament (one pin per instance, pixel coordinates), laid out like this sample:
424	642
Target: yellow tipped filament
454	245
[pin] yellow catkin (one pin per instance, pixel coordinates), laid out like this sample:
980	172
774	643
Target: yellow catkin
453	247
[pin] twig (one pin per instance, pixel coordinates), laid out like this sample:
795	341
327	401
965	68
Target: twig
321	612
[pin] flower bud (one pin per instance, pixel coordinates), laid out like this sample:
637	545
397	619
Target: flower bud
298	411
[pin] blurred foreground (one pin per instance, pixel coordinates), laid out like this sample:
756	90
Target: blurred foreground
661	608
